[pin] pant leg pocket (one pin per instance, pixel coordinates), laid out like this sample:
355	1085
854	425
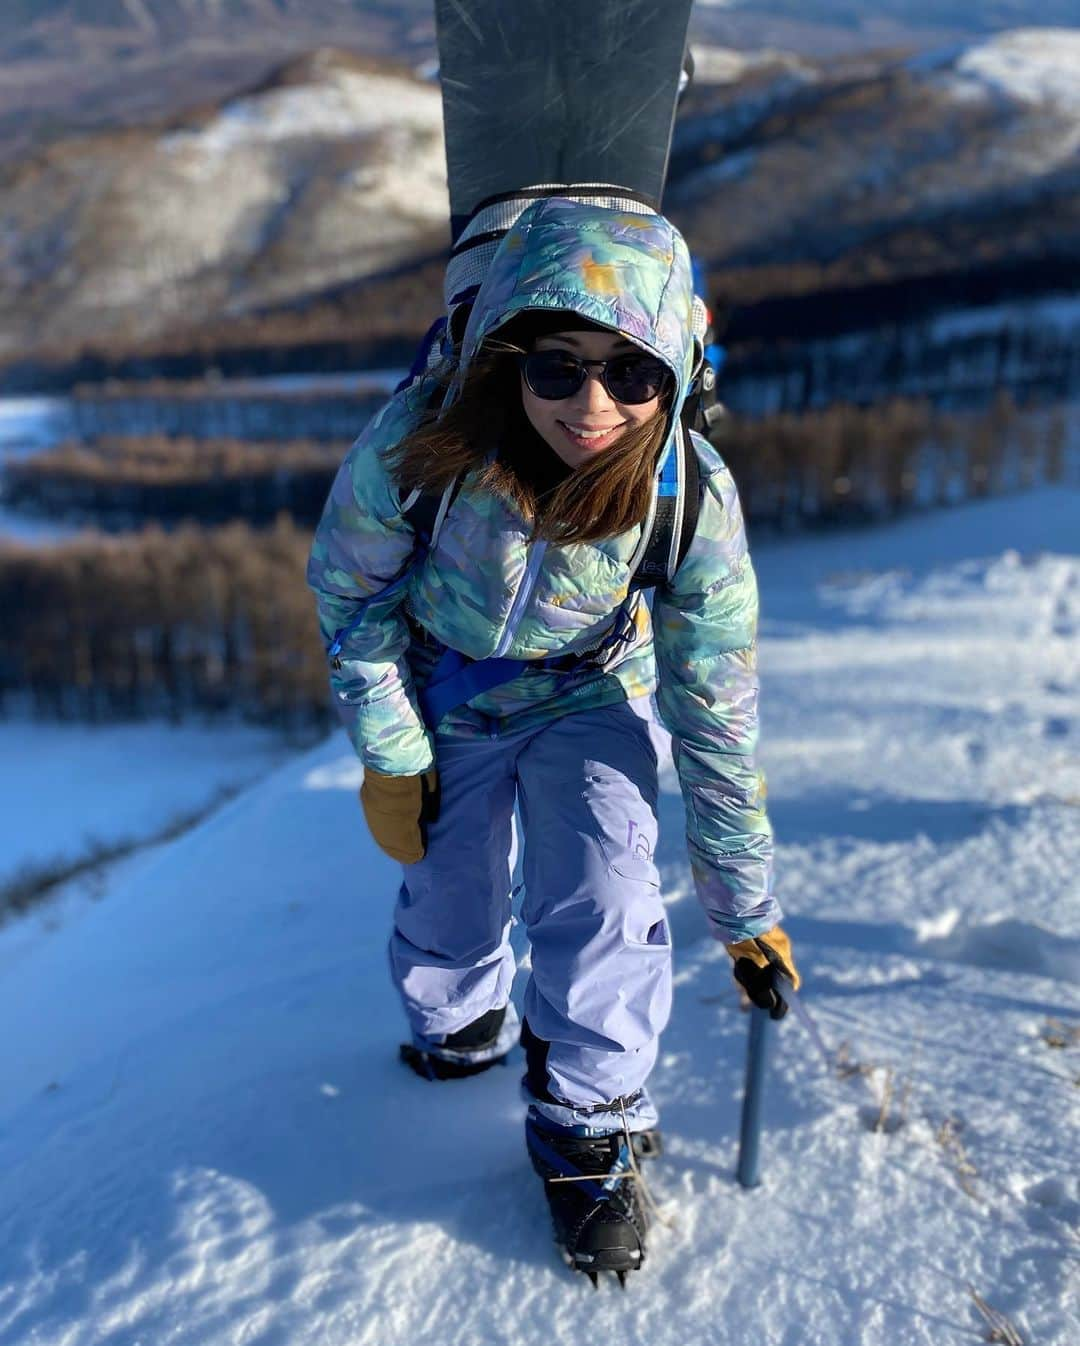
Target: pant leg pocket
644	918
658	933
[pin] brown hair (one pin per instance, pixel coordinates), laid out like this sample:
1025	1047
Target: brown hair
600	499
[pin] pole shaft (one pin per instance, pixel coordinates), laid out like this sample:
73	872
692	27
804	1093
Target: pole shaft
757	1053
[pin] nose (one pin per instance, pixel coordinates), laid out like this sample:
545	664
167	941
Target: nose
592	396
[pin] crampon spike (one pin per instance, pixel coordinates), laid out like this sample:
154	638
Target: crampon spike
595	1278
622	1278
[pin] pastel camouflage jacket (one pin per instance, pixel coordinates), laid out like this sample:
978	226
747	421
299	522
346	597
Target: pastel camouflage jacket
486	589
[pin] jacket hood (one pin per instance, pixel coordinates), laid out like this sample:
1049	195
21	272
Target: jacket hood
625	271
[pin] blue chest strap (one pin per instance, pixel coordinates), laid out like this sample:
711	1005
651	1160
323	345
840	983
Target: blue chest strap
456	679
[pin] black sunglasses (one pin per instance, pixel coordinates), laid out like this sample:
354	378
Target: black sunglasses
630	379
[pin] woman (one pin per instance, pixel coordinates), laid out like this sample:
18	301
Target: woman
546	441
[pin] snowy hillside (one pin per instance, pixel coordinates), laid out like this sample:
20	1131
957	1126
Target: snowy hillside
337	103
272	201
1032	65
146	777
205	1137
332	171
1004	110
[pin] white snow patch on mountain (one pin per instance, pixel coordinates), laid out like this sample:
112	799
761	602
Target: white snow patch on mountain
727	65
344	104
402	169
278	195
1031	65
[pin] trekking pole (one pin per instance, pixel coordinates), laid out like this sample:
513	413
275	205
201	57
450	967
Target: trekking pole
757	1054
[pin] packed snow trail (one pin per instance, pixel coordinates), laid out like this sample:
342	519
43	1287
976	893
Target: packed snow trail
205	1136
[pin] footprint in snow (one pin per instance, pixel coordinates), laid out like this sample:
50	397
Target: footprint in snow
1049	1206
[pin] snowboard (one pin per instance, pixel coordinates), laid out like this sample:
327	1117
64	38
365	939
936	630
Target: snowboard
565	92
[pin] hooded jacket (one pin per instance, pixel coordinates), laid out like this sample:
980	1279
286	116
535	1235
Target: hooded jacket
486	589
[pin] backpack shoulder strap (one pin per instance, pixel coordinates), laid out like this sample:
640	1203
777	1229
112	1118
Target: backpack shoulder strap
678	500
691	485
424	511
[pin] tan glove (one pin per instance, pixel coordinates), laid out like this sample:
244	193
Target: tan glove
754	961
398	810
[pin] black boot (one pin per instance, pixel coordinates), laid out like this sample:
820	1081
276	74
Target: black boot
600	1224
484	1043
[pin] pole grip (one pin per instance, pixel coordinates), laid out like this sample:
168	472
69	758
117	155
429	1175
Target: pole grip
757	1053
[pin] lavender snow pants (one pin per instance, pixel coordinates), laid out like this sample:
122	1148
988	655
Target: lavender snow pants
600	990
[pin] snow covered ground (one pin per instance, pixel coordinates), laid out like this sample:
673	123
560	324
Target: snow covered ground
30	528
205	1137
30	424
70	790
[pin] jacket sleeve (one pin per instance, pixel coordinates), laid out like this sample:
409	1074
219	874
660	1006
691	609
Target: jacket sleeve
705	627
359	559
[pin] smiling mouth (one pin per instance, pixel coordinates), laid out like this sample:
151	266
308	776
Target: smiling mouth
589	436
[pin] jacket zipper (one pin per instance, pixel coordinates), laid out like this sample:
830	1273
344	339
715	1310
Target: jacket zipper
334	652
334	649
521	598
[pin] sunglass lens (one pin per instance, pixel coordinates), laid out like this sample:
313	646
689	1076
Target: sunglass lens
636	378
553	375
632	379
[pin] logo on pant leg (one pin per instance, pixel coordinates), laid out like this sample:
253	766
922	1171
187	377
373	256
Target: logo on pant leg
637	842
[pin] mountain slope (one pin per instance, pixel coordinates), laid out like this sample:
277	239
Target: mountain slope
329	171
205	1137
788	175
125	28
57	25
864	171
